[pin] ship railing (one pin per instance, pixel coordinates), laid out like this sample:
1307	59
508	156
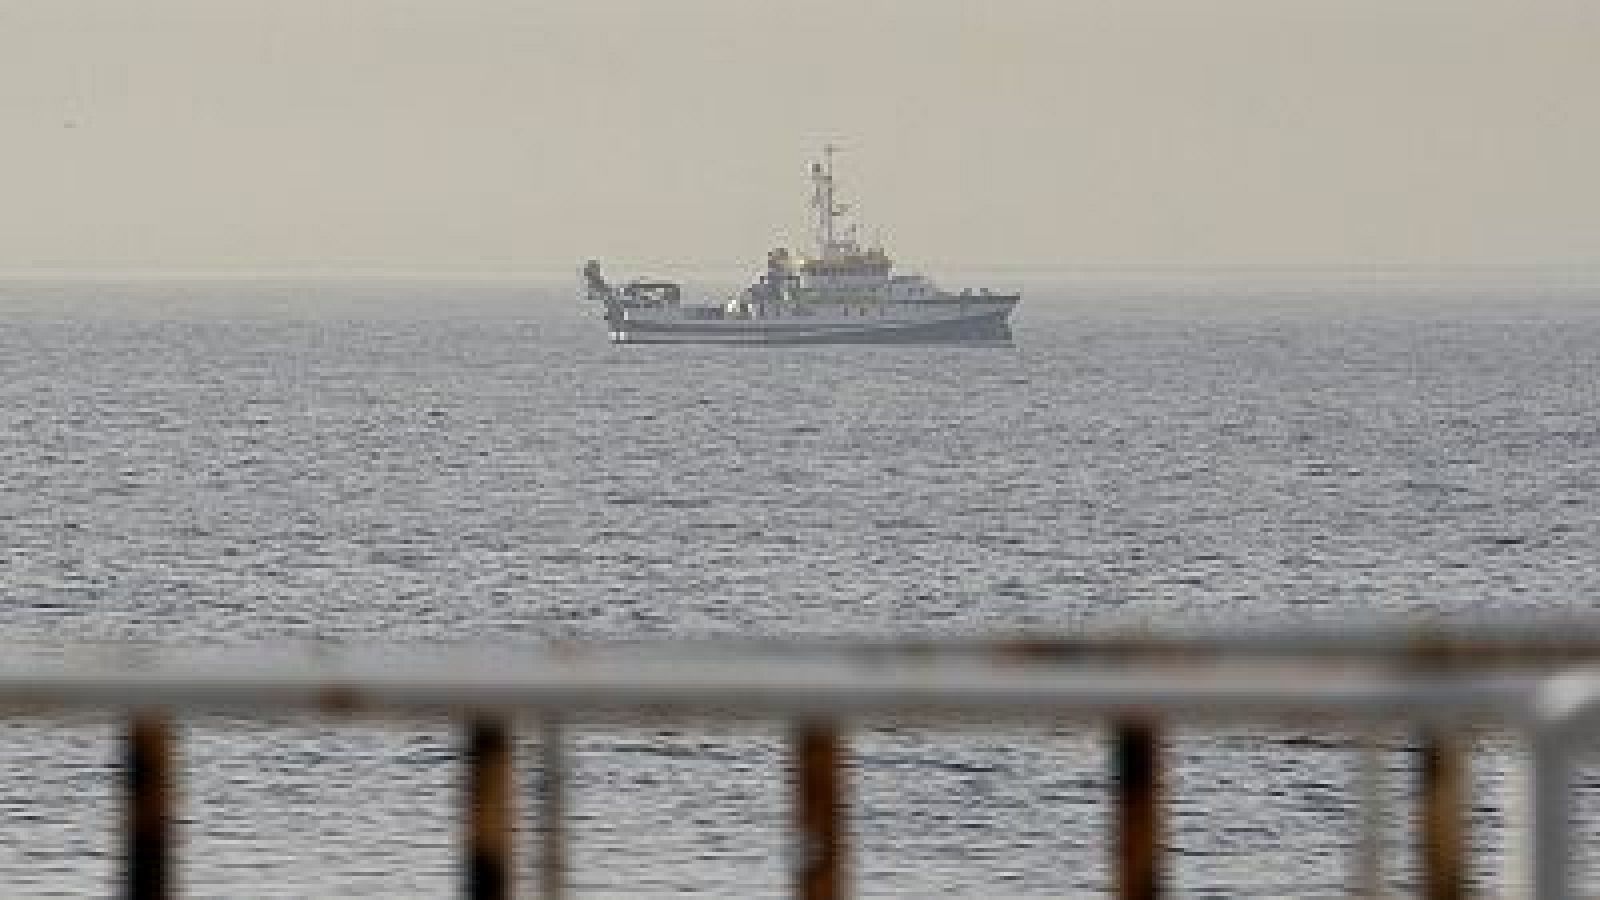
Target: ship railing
1543	685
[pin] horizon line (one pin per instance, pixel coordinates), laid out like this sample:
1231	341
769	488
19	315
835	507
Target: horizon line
550	270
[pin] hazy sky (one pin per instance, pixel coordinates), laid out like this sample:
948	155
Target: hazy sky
504	135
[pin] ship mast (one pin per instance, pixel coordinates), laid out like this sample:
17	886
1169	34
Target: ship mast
822	200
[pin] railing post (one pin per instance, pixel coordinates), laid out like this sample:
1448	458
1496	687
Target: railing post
1550	776
1137	754
489	813
148	811
1369	850
819	812
1444	774
552	812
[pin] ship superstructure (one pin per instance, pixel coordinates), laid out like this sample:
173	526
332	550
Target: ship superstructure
843	292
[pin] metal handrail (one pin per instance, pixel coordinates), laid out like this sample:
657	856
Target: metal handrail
823	689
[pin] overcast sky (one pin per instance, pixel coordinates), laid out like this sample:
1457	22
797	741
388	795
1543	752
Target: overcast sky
394	134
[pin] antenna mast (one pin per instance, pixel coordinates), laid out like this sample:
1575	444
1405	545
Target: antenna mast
822	199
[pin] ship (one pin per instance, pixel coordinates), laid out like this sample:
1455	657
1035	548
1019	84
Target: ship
842	292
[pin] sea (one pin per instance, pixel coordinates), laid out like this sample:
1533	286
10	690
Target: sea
205	462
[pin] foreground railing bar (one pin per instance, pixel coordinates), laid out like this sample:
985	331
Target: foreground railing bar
1368	868
490	785
1544	643
1136	755
1443	826
797	693
552	827
819	812
149	804
1550	773
1541	645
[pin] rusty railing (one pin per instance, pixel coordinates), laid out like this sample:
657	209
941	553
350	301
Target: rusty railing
1538	683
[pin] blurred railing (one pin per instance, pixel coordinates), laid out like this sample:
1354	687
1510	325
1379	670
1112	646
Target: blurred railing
1543	684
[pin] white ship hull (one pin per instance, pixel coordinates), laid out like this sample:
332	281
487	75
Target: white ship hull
979	319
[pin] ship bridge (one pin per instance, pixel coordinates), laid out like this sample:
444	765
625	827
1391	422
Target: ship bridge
851	262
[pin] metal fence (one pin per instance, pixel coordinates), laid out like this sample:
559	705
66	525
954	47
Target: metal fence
1543	684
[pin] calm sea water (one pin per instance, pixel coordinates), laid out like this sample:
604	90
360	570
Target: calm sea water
237	462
